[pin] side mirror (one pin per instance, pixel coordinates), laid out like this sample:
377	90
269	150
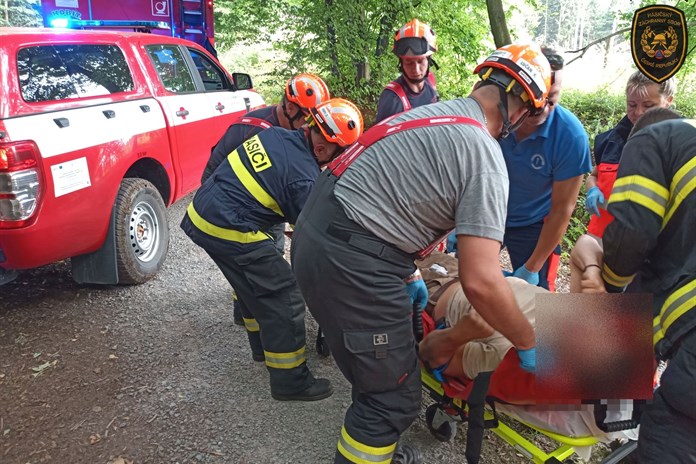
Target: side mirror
242	81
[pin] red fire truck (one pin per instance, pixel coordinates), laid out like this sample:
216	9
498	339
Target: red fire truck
188	19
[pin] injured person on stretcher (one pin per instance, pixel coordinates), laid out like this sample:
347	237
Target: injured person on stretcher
464	345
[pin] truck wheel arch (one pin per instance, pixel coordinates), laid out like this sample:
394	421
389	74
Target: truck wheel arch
107	265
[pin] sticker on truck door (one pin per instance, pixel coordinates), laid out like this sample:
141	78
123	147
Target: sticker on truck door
70	176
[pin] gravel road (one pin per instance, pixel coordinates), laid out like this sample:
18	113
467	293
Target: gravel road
158	373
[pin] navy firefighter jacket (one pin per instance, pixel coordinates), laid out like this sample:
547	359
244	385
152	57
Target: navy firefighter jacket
265	181
237	133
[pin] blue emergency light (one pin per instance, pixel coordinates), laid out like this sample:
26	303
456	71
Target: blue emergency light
117	24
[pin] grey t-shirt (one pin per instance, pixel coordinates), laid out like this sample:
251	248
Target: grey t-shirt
411	187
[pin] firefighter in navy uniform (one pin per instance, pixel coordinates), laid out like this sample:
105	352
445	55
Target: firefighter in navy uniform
266	181
302	92
653	235
414	44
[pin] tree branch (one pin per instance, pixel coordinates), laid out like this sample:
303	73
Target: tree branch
584	49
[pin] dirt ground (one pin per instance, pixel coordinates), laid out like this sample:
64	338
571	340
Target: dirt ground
158	373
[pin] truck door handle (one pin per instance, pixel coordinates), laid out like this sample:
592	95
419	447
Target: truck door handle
145	108
219	107
182	112
110	114
247	103
62	122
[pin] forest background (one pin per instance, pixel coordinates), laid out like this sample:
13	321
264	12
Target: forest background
349	43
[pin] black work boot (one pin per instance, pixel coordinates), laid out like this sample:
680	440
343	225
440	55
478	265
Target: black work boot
237	314
406	454
320	389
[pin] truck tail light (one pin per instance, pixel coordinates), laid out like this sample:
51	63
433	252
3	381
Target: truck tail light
20	183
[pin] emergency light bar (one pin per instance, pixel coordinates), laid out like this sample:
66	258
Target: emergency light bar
117	24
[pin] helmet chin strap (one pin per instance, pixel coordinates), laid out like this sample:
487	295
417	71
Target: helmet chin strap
414	81
508	127
292	120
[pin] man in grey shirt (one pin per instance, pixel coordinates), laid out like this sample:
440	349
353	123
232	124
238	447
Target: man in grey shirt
401	188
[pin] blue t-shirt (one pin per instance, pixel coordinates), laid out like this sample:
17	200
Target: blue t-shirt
558	150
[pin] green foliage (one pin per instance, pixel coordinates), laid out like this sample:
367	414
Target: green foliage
598	111
22	13
349	43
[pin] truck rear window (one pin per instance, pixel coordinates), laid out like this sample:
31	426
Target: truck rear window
60	72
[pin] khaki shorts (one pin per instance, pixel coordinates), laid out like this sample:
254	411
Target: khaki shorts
486	354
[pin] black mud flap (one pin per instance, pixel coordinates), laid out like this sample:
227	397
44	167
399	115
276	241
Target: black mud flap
98	267
7	276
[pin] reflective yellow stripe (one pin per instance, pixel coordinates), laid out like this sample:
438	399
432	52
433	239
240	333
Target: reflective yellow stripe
285	360
251	185
251	325
640	190
220	232
359	453
676	305
682	186
611	278
658	334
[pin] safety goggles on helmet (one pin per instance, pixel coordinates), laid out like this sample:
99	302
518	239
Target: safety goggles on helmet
414	39
412	46
339	121
520	69
306	90
555	61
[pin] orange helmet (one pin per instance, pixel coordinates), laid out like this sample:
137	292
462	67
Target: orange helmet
414	39
339	121
521	69
306	90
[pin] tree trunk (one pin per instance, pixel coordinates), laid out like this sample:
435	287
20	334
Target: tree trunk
608	45
496	17
386	32
331	36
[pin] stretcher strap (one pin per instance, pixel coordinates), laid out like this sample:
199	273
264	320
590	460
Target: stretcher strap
474	431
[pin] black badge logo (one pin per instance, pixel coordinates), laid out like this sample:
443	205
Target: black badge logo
659	41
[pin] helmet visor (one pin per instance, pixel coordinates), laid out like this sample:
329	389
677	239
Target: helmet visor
411	46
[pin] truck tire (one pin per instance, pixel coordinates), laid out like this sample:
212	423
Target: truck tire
141	231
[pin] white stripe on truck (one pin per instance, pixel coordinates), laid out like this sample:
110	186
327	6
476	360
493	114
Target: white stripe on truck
88	126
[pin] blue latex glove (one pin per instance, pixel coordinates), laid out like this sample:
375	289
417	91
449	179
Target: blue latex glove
418	292
525	274
593	200
506	273
452	243
527	359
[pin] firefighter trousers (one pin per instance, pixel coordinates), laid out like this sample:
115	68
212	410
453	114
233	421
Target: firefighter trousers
266	286
668	424
354	287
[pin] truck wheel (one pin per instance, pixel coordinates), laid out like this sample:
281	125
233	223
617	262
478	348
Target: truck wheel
141	231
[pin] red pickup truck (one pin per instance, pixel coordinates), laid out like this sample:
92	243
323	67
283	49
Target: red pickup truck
99	132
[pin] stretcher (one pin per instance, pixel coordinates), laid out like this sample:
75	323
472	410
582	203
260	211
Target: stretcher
481	404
